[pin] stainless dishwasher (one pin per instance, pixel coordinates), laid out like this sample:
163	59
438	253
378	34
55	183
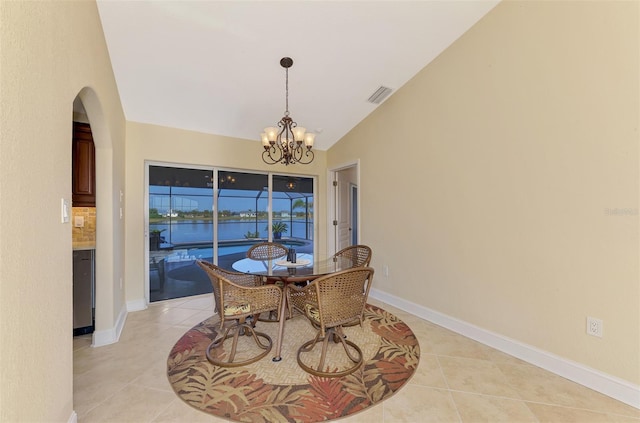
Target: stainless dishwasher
83	292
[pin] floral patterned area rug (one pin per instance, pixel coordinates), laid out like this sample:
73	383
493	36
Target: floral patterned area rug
268	391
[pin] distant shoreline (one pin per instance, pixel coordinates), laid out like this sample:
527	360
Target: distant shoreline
167	220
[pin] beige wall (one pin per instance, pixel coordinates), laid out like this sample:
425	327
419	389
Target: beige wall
500	185
162	144
49	52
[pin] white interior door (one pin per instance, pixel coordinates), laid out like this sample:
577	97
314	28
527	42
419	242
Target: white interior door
343	214
342	230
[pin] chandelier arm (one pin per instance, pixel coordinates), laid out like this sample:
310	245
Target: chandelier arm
266	157
296	153
269	154
309	153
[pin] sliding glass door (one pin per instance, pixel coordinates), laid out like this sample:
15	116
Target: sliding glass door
217	215
181	228
243	204
292	205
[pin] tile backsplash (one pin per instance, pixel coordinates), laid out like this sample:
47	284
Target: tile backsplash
86	233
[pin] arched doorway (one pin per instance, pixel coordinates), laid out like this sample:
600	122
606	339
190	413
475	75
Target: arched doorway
106	319
83	221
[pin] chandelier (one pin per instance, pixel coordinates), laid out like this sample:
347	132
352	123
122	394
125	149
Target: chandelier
284	144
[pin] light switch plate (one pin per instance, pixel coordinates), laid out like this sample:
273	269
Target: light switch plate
65	211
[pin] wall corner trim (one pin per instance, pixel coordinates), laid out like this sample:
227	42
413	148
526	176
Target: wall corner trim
136	305
606	384
110	336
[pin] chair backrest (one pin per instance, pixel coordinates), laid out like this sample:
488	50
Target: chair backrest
242	279
215	273
360	255
341	296
267	251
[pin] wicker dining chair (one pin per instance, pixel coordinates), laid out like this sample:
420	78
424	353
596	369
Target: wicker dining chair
242	279
267	251
329	303
360	255
240	298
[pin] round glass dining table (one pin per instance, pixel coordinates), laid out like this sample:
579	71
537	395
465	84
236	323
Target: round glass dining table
306	268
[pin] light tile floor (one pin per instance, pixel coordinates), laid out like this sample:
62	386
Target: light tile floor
457	380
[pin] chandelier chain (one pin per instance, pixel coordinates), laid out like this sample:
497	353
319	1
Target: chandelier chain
286	90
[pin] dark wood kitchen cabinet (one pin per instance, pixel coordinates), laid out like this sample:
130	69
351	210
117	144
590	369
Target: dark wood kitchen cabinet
84	166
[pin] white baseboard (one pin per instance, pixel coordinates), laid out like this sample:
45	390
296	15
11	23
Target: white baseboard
136	305
73	418
606	384
110	336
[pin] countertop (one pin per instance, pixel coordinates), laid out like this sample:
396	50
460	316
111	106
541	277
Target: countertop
87	245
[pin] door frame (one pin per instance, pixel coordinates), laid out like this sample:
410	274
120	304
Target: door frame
354	216
332	203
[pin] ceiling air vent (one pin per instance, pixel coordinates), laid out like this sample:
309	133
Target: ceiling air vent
379	95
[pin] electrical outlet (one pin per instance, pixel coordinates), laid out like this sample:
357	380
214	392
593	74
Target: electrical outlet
594	327
385	270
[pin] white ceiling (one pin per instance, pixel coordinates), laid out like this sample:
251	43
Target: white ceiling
214	66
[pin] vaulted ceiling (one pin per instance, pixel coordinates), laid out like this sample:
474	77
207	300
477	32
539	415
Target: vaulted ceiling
213	66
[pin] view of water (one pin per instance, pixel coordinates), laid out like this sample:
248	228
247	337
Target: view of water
194	231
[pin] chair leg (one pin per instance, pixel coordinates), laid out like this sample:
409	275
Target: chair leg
325	345
256	338
236	331
336	336
339	336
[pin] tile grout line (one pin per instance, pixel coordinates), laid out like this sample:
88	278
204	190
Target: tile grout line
164	410
448	389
